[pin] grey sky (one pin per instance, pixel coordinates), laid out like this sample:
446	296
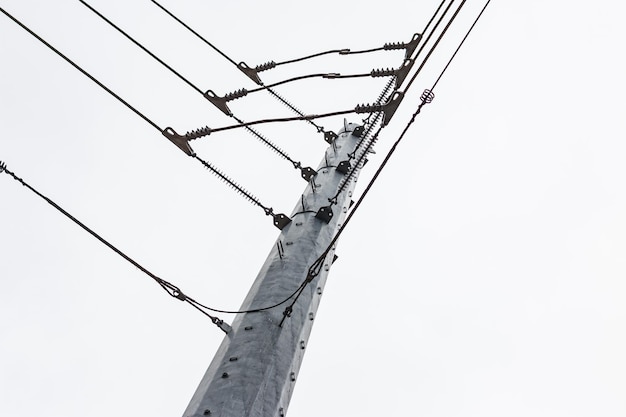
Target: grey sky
484	275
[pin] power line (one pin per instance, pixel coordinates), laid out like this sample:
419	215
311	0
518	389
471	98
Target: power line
92	78
170	288
181	142
426	97
305	172
173	290
251	73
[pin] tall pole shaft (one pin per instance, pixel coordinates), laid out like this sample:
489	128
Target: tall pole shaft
255	368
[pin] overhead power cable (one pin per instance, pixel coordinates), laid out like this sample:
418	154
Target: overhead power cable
388	108
408	47
180	141
305	172
170	288
426	98
251	73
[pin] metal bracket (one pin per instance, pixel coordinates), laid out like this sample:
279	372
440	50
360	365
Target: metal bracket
411	46
219	102
325	214
281	221
252	73
330	136
403	71
358	131
344	167
307	173
390	107
180	141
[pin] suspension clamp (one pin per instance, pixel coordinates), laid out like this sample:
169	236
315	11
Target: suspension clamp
217	101
180	141
252	73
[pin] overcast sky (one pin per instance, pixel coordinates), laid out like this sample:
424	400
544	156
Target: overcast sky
485	274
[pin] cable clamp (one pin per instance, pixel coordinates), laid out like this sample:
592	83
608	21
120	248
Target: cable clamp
3	167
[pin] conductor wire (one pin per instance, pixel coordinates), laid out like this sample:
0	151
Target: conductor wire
170	288
91	77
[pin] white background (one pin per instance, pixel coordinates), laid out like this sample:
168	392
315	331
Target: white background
483	276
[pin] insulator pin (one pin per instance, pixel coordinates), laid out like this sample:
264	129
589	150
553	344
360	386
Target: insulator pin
394	46
198	133
368	108
383	72
265	67
236	94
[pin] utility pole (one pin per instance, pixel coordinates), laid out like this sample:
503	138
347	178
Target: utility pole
255	368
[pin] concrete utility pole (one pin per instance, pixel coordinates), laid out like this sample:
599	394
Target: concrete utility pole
255	368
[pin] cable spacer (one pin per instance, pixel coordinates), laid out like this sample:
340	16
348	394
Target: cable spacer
427	96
